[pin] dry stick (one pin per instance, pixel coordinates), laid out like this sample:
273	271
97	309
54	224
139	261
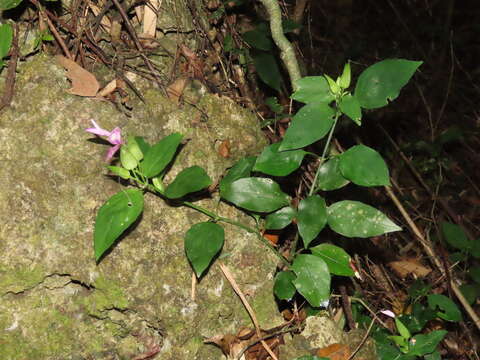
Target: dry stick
426	245
134	37
228	275
359	346
417	175
347	307
12	68
53	30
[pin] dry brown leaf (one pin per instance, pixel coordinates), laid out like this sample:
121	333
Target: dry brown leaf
403	268
273	238
224	149
150	18
108	89
84	82
175	89
334	352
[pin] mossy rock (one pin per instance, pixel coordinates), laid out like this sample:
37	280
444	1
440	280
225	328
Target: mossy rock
56	302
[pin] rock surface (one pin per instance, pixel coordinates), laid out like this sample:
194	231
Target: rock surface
56	302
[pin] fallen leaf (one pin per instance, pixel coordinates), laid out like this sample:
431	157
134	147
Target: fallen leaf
273	238
224	149
334	352
84	82
108	89
175	89
403	268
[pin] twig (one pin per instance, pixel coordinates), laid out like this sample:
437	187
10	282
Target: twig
53	29
362	341
134	37
347	307
228	275
12	67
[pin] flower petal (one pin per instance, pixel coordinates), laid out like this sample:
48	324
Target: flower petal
388	313
115	136
97	131
112	151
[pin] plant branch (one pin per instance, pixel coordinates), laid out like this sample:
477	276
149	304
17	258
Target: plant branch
287	53
324	153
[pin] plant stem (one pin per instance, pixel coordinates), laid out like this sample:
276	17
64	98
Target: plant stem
325	149
248	229
287	53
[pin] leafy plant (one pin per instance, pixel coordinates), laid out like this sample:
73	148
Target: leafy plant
409	341
6	37
309	271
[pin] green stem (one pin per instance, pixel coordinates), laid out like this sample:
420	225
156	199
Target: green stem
325	149
217	218
248	229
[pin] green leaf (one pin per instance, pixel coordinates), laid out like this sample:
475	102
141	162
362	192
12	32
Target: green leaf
142	144
160	155
9	4
383	81
189	180
123	173
258	38
134	148
402	329
203	241
311	218
311	357
418	289
364	166
346	76
127	159
311	123
474	273
313	89
450	309
433	356
475	249
389	352
289	25
6	36
423	344
267	69
241	169
356	219
471	292
350	106
455	236
284	288
330	177
256	194
313	278
334	87
337	259
114	217
273	162
272	103
280	218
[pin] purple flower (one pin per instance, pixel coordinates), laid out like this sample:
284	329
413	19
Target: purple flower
114	137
